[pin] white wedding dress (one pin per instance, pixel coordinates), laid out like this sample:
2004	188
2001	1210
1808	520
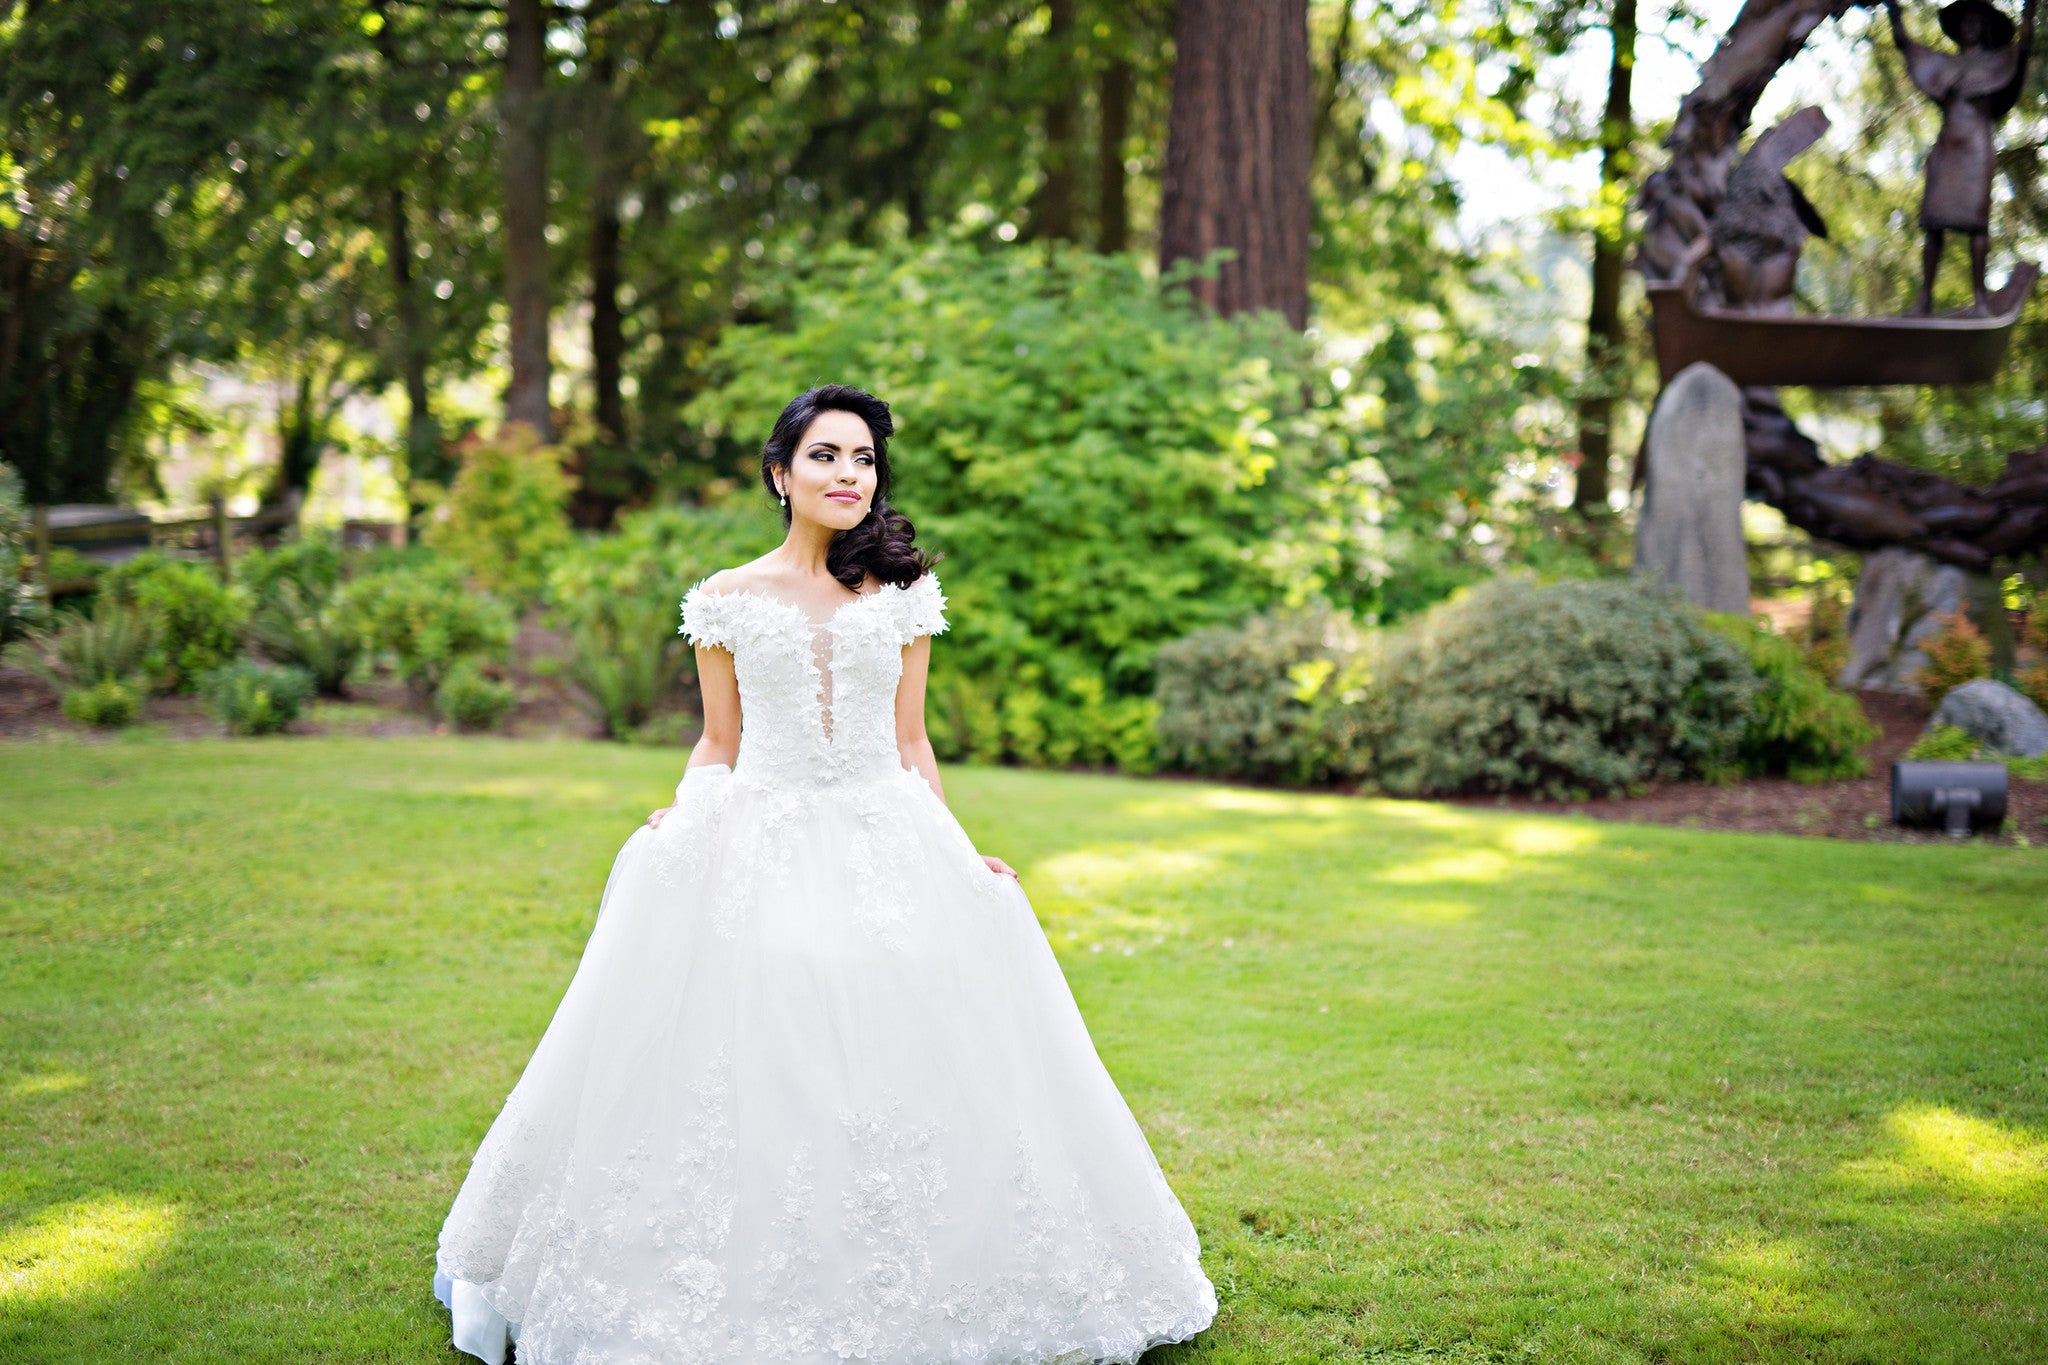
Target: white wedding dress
818	1091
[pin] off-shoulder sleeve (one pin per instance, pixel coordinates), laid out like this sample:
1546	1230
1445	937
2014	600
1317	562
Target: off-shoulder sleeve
707	617
923	609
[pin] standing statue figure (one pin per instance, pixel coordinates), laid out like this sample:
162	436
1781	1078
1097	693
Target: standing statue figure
1976	85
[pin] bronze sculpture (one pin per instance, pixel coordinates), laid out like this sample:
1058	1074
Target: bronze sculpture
1764	219
1975	86
1734	316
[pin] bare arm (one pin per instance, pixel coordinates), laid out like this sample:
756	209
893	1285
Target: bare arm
720	742
913	744
1932	72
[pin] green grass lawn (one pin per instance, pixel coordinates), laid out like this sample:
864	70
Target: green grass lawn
1434	1084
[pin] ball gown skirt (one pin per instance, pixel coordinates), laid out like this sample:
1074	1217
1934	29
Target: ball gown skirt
817	1090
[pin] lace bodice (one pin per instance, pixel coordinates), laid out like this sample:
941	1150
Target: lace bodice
817	698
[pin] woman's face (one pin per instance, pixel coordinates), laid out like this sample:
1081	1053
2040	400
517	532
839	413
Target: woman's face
831	479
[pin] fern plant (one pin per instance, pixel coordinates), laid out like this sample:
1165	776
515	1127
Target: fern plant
624	657
320	633
116	643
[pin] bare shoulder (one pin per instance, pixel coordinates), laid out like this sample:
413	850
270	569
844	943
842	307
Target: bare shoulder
738	578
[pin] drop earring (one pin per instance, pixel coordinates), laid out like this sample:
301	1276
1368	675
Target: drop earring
782	498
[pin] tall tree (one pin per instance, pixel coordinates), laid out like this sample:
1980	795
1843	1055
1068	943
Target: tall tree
1605	337
601	148
1238	150
524	148
1113	113
1053	215
421	434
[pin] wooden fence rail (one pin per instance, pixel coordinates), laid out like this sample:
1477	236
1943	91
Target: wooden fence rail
89	529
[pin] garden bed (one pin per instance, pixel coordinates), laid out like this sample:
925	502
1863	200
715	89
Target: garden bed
1858	809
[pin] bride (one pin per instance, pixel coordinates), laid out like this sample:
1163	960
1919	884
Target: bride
817	1091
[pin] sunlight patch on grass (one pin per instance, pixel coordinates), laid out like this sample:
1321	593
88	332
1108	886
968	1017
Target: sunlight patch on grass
1427	816
1101	874
77	1249
1945	1147
1772	1279
1241	799
1547	838
43	1083
542	788
1430	912
1458	865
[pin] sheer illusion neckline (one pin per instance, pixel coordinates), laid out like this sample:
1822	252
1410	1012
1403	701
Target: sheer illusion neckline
791	606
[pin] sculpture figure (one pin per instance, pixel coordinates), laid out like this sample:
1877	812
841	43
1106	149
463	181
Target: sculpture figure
1764	219
1975	86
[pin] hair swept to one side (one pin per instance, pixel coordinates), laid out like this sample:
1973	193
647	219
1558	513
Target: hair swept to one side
884	543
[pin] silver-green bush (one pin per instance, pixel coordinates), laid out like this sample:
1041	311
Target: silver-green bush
1281	697
1568	690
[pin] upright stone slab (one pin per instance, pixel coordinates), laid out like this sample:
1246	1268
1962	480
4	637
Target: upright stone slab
1690	533
1900	600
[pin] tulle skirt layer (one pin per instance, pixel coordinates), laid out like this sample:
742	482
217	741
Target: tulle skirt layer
817	1092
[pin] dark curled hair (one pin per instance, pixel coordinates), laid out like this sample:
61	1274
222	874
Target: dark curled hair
883	544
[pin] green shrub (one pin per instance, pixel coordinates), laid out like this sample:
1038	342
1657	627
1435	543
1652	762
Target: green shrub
311	563
67	565
1278	698
1798	725
1945	743
624	658
425	620
200	617
1956	654
506	515
668	730
319	631
20	605
1105	467
616	597
109	703
1574	689
256	699
470	699
115	643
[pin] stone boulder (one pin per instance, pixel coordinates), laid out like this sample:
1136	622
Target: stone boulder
1900	600
1690	531
1997	717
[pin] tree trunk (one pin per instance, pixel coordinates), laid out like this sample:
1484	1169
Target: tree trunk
525	153
301	438
1112	210
1237	152
1604	333
1052	215
607	328
422	436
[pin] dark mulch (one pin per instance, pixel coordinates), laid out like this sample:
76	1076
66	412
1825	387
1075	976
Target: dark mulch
1840	810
